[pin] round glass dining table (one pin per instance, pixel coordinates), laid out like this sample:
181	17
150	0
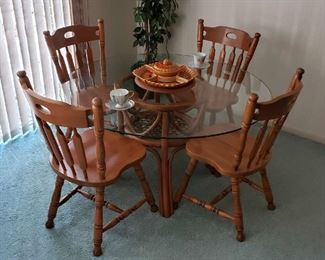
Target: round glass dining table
165	118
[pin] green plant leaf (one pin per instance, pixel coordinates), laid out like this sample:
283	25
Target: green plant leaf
153	18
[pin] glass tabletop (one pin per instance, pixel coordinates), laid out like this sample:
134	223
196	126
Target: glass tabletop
212	104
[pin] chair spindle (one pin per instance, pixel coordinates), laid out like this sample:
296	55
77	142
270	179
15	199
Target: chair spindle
80	151
212	53
53	143
63	67
221	60
65	149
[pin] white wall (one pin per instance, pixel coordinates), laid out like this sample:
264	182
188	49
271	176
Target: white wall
292	36
119	23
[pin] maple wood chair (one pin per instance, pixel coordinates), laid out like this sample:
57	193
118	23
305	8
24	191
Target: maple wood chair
238	155
75	42
232	38
94	158
236	49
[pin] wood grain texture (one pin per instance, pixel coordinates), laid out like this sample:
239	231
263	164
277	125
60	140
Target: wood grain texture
227	37
240	154
98	222
75	41
99	134
55	200
91	158
102	48
165	116
229	56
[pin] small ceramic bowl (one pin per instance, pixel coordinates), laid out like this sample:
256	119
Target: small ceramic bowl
164	68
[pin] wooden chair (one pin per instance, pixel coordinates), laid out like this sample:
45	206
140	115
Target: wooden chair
94	158
75	43
236	50
238	155
235	39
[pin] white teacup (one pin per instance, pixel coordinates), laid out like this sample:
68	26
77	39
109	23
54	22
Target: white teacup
120	96
199	58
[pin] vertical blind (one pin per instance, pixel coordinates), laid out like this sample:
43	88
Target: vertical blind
22	47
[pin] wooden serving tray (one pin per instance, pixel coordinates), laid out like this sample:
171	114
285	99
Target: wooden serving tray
182	78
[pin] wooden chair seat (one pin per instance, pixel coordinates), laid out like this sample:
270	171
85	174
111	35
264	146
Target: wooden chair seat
120	153
208	150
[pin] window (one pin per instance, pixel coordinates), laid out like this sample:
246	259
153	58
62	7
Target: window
23	47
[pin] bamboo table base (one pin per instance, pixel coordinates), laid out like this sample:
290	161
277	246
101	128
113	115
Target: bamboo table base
164	158
168	148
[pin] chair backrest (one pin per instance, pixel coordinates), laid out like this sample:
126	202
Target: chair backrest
76	40
232	38
274	112
62	115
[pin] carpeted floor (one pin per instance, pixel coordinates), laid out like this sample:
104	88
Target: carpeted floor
295	230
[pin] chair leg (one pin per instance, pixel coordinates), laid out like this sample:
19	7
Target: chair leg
212	118
230	114
184	182
146	188
238	215
53	208
267	190
98	222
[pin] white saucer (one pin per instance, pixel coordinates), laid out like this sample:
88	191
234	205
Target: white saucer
111	105
198	66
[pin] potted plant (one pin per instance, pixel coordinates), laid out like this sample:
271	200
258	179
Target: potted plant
153	18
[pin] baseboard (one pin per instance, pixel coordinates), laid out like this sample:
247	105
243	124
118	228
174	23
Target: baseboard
303	134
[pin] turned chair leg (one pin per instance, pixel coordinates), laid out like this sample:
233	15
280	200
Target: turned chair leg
184	182
238	215
53	208
146	188
98	222
267	190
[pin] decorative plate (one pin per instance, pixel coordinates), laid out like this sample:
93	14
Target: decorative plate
182	78
164	68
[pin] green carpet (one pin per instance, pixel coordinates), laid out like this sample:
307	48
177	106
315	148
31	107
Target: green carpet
295	230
